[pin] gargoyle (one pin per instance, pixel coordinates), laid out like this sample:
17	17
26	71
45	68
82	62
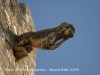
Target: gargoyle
48	39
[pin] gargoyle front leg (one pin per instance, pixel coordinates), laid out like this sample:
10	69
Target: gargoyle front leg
19	53
54	46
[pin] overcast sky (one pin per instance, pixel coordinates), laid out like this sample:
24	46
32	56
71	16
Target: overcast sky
82	51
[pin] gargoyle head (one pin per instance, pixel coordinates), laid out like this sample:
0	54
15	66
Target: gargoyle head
69	30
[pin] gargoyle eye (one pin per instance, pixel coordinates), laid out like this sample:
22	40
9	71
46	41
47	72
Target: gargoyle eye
67	27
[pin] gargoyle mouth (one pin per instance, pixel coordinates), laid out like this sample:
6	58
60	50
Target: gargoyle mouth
71	33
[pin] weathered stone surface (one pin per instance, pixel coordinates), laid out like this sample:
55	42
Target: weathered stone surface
14	19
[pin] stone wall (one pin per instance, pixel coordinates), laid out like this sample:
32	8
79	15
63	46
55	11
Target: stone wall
15	19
